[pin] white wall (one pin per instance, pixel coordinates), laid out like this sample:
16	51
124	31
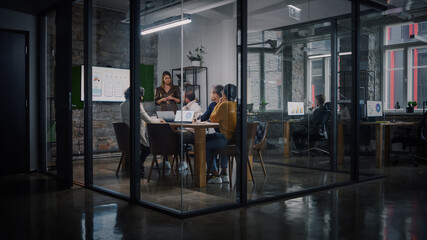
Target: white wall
25	22
218	37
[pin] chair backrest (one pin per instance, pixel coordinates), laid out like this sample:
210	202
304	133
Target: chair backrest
261	132
250	137
163	140
122	135
422	128
319	128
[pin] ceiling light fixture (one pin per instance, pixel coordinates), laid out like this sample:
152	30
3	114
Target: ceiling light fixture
166	24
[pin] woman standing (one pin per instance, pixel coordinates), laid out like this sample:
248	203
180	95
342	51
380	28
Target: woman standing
167	95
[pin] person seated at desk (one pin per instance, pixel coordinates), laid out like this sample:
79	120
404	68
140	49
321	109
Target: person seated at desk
167	95
300	136
216	95
191	104
125	110
224	113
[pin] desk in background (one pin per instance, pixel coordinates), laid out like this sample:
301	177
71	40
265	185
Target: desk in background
382	138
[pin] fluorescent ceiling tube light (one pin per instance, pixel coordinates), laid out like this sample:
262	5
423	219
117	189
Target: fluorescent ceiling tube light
166	24
328	55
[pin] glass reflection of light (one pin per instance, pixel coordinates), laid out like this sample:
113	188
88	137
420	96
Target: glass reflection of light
103	222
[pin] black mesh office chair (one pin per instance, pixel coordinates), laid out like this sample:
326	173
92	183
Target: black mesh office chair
318	132
412	140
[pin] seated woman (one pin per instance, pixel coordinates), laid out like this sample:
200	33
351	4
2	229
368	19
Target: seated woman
124	109
224	113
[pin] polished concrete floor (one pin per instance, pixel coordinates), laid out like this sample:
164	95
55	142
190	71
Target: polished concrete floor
394	207
176	190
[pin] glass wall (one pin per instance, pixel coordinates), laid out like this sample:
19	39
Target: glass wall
211	35
291	93
77	102
110	80
392	55
49	36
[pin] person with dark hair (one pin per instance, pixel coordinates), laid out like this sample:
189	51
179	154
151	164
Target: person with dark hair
216	94
300	136
224	113
167	95
191	104
125	110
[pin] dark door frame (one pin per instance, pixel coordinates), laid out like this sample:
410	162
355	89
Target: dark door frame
27	101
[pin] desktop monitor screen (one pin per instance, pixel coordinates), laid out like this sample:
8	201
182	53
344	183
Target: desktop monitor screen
295	108
374	109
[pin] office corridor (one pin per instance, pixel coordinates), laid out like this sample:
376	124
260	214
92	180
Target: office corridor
391	208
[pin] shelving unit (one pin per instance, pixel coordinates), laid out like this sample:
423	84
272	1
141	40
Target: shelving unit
191	80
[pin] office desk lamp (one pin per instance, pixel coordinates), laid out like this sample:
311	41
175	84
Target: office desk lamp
396	106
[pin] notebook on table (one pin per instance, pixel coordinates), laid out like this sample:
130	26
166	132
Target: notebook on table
168	116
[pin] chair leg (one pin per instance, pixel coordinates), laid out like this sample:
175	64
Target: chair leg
262	163
120	162
151	168
250	170
189	164
230	170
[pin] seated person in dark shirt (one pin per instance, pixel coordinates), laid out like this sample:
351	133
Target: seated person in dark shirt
300	136
216	95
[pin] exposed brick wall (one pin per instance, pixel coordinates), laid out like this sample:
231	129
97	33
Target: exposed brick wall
110	49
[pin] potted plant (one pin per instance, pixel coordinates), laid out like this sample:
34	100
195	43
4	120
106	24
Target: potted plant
196	56
262	105
410	107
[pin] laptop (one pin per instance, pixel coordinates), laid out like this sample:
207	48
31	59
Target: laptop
184	116
168	116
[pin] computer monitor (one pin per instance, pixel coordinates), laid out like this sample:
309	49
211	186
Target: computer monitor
374	109
296	108
187	116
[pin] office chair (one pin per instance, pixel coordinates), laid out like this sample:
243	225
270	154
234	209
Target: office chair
319	133
121	130
412	141
164	142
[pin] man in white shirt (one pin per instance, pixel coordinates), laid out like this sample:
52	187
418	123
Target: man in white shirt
191	104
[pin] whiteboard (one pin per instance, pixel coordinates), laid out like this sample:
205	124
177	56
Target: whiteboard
108	84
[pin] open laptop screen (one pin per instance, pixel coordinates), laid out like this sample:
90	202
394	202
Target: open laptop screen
184	116
168	116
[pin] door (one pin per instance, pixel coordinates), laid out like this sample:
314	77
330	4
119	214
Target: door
13	75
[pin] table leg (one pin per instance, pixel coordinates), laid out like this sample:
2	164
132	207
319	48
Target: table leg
200	157
386	143
286	139
379	145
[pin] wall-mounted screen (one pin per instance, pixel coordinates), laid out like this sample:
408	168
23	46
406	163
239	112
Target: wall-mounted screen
108	84
295	108
374	109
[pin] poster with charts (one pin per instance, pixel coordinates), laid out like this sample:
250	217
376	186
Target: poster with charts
108	84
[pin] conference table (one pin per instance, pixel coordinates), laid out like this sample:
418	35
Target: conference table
199	148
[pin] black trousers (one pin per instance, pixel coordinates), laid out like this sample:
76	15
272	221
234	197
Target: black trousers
145	151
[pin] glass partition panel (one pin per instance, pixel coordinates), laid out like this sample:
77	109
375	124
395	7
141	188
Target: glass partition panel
200	60
49	31
77	103
290	94
110	80
392	55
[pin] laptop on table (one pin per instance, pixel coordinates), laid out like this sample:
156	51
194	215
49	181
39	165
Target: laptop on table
168	116
184	116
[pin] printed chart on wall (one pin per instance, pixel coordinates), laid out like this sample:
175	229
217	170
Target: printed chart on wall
108	84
